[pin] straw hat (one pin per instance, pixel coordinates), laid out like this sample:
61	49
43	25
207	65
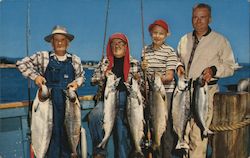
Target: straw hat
59	30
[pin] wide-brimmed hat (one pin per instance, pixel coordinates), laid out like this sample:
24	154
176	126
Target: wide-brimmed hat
59	30
160	23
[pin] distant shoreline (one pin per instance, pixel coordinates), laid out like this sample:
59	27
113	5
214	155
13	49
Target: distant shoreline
7	65
2	65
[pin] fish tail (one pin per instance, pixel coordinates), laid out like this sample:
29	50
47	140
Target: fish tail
207	132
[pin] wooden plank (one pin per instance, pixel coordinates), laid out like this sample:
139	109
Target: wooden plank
230	108
26	103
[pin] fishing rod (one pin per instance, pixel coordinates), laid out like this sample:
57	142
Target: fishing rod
27	54
148	135
101	86
105	29
29	81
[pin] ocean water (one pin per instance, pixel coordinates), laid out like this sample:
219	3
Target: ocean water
14	87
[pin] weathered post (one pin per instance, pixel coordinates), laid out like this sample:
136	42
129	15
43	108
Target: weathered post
230	125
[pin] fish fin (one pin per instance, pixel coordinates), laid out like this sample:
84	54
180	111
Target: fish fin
206	132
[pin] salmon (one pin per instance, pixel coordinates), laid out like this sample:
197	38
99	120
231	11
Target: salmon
181	111
135	105
158	110
72	120
110	95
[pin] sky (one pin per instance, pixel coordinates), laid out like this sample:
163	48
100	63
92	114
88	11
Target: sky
86	20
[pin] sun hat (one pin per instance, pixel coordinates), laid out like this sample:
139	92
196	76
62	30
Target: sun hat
159	22
59	30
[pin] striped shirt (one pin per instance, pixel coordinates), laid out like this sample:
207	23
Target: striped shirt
36	65
160	61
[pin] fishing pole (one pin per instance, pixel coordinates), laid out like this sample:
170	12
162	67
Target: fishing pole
105	29
29	81
148	141
101	86
27	54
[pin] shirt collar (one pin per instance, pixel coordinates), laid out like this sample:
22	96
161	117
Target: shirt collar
160	48
208	31
52	54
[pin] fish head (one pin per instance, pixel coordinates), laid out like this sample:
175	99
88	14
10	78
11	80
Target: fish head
182	83
157	82
71	94
43	93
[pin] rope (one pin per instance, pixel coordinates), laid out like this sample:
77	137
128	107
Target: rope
105	28
230	127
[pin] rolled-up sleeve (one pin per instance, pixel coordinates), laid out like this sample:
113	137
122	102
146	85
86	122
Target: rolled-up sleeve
28	66
79	72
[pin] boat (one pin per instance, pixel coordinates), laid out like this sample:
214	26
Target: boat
237	66
15	131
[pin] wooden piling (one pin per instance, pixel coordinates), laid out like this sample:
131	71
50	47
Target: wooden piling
230	125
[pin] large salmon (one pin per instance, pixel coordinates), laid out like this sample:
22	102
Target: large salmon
72	120
158	110
201	104
135	105
109	107
181	111
41	123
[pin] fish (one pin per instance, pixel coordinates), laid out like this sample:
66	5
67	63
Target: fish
72	120
181	111
41	124
201	105
244	85
158	110
134	109
44	93
109	110
84	150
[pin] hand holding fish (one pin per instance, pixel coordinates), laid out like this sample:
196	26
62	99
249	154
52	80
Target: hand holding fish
180	71
207	74
108	73
39	81
73	85
168	77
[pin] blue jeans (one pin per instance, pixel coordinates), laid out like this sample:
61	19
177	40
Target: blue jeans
120	130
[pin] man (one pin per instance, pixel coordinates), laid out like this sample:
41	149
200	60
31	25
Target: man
161	57
119	62
203	52
58	70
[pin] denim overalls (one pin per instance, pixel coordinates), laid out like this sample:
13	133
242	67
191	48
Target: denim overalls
58	75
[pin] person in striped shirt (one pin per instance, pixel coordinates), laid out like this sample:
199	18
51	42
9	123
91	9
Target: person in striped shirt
161	58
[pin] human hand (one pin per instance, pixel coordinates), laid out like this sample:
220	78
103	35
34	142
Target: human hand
39	81
167	77
180	71
73	85
144	64
108	72
207	74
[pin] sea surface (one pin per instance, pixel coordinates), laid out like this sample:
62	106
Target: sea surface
14	87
